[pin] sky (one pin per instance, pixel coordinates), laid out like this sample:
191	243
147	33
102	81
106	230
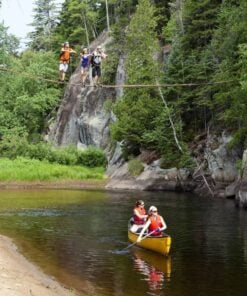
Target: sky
17	14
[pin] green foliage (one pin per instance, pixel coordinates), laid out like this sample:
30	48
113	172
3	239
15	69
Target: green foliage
22	169
138	108
135	167
79	22
108	105
208	45
174	158
25	98
45	20
91	157
205	36
231	51
135	119
9	43
13	146
109	66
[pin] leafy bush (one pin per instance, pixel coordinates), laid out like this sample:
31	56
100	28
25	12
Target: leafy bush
16	146
13	145
135	167
66	156
92	157
37	151
174	158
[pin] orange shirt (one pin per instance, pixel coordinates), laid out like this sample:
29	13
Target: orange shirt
155	223
65	55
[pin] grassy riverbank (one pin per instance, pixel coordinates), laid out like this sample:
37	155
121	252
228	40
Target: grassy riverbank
31	170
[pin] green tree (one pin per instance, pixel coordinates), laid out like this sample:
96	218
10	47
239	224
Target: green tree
25	98
45	20
229	45
137	109
9	43
191	60
78	22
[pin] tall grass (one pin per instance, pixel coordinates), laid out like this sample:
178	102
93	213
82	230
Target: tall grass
23	169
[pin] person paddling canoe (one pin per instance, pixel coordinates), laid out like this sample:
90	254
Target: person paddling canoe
139	212
155	224
139	217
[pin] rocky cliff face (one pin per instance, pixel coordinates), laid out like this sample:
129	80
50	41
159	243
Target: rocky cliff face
82	119
240	189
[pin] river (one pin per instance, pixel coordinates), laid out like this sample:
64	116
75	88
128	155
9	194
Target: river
78	236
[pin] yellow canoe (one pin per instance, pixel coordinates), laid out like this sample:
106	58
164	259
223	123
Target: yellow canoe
158	261
157	244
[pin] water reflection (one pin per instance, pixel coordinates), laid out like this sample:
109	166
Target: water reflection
69	235
155	268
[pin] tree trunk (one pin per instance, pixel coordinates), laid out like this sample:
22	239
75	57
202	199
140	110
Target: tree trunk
107	16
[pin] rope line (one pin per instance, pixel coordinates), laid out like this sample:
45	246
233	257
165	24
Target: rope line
121	85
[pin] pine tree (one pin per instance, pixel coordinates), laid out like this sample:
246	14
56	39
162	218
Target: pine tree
138	108
9	43
229	45
191	60
79	21
45	20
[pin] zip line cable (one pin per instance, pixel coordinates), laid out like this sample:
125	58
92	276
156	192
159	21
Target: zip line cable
3	69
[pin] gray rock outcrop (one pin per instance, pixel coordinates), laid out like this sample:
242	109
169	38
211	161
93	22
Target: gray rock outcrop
241	189
152	178
82	119
221	160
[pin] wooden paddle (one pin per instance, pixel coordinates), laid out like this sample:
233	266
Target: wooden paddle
131	245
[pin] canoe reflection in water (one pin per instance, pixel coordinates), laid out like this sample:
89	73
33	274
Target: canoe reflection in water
155	267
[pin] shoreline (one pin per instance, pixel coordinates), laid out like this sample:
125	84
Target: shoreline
63	184
20	277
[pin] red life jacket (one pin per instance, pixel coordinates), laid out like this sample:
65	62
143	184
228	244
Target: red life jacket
155	223
137	220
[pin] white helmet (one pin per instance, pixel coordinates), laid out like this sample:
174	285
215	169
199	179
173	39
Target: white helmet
152	209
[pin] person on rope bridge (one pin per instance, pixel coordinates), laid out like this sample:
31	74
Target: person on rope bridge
96	59
85	62
64	60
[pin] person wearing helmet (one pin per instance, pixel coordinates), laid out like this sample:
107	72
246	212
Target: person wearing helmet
96	59
155	224
64	60
85	56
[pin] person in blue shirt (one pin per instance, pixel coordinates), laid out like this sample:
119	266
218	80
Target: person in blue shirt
85	62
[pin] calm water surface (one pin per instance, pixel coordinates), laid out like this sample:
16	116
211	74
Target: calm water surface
78	237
